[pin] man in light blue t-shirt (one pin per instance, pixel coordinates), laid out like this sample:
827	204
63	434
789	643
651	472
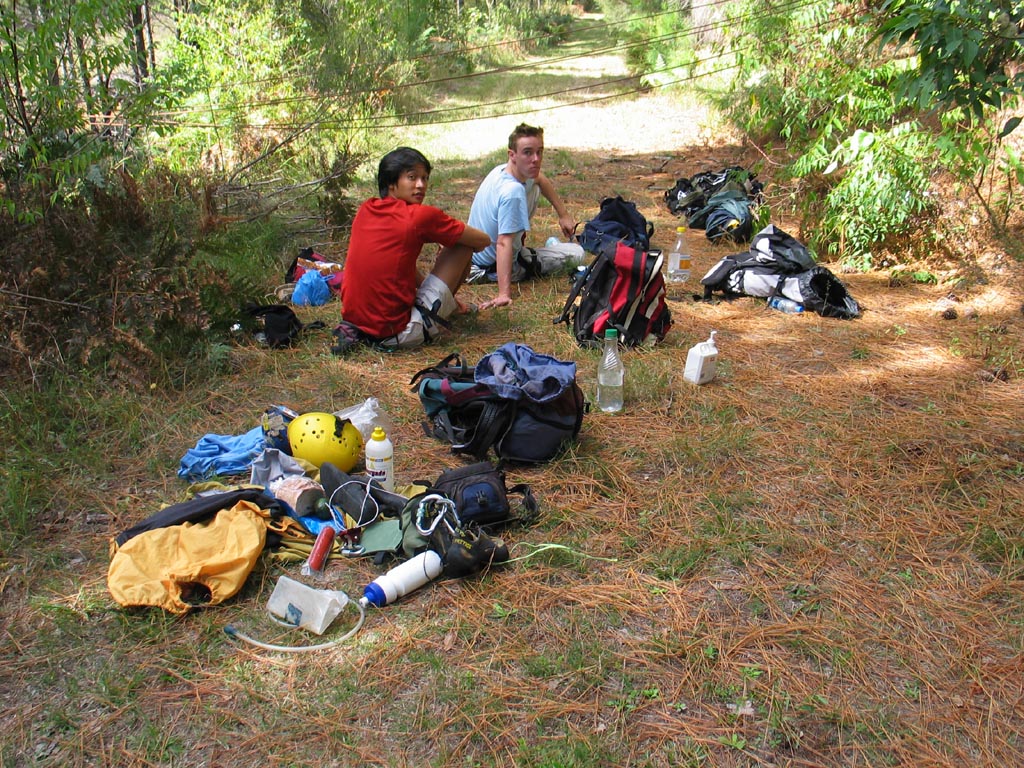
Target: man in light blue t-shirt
503	206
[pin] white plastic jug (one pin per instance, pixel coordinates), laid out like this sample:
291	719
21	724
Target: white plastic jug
380	459
701	361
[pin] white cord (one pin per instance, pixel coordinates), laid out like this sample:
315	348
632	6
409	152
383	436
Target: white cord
538	548
362	506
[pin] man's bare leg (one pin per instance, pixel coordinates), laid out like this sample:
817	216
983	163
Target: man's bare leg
452	266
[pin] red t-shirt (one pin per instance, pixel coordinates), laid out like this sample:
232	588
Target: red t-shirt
380	269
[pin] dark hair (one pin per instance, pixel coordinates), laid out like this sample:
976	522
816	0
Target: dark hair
523	131
395	163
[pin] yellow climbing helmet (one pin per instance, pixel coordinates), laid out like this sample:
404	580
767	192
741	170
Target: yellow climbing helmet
323	437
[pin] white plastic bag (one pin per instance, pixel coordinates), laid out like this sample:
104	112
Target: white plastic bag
301	606
365	417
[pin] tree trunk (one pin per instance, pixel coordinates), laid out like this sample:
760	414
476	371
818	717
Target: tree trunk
83	70
149	34
140	59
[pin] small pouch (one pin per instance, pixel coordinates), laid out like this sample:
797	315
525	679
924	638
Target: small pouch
481	496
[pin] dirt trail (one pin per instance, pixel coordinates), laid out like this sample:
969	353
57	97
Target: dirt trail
587	116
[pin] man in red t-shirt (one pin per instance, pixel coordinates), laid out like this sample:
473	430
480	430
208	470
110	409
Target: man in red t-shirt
384	294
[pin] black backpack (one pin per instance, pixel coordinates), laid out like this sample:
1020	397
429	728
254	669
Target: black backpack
777	264
617	220
281	326
719	202
773	252
689	195
622	288
475	418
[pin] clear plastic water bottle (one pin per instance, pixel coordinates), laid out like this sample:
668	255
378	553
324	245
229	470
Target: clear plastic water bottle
610	374
783	304
679	259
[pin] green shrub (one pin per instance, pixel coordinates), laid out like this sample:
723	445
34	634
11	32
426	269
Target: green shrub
855	99
880	189
123	281
814	79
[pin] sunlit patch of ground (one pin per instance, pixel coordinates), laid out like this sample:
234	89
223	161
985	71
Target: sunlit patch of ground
586	102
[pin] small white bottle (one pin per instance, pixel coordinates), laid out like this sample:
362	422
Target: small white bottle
610	374
402	579
679	259
701	361
380	459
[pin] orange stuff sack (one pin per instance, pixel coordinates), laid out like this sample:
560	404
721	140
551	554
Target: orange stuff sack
183	566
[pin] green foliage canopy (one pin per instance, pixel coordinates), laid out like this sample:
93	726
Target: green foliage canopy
65	71
855	95
969	51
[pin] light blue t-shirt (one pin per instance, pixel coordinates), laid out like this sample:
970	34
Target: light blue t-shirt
499	208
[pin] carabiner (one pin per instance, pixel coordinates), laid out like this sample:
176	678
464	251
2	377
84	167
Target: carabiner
438	507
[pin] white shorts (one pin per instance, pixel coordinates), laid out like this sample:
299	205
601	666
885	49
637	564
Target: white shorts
559	257
435	295
534	262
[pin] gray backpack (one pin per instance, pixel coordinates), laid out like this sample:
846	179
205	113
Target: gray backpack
779	265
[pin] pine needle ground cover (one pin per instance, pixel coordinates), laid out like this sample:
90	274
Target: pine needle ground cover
815	560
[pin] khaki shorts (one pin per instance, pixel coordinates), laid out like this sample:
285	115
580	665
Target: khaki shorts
435	295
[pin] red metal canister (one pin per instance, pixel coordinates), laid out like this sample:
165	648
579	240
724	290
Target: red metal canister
321	549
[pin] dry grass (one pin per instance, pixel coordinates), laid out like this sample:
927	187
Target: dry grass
817	561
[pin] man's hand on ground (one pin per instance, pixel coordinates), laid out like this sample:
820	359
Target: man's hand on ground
461	308
497	301
568	225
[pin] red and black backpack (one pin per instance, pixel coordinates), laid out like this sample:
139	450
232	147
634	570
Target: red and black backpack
622	288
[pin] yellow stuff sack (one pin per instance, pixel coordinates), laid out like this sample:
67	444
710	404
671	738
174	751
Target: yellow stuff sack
175	567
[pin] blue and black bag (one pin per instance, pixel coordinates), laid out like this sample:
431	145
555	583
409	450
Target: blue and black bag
722	203
726	218
481	496
522	405
618	220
